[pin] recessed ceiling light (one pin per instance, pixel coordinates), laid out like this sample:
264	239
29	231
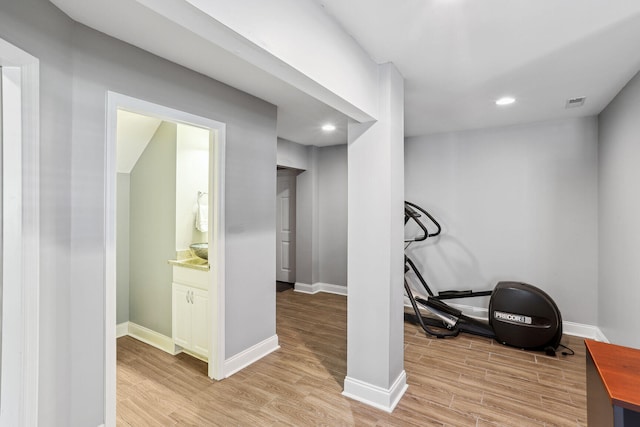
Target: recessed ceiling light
328	127
505	100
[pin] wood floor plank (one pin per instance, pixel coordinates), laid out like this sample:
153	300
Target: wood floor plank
516	386
525	373
233	410
136	412
555	405
464	381
441	390
497	416
435	412
279	388
530	410
409	418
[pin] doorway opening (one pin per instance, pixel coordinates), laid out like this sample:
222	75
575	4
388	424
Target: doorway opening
211	215
286	228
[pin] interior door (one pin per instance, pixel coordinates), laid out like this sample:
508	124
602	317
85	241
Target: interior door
286	227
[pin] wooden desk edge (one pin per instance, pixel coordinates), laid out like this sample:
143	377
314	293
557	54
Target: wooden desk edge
616	398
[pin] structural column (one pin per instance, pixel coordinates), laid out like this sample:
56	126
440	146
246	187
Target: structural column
375	366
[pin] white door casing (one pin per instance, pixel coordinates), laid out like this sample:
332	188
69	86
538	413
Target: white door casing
21	237
286	227
216	294
1	230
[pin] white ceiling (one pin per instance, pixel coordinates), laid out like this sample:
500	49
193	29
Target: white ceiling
135	131
300	116
457	57
133	135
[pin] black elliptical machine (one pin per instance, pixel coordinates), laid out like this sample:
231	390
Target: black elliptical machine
520	315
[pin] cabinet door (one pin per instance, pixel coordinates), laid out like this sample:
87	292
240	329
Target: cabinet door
200	322
181	315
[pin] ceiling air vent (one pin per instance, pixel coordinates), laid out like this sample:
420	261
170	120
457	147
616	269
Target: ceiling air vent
575	102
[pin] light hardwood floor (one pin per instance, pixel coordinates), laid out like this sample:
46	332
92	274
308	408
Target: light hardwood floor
465	381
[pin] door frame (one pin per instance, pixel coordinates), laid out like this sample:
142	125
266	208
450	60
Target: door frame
21	240
292	176
217	142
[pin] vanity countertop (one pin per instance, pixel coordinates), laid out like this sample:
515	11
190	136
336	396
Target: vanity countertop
194	263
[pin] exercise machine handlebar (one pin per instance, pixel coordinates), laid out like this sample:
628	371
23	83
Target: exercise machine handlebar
411	213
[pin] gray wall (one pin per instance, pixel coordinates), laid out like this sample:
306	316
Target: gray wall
321	211
122	247
293	155
102	63
77	67
515	203
619	210
332	214
37	27
153	231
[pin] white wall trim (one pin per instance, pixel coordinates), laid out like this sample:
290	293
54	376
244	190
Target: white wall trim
329	288
304	288
110	285
153	338
378	397
217	241
600	336
250	355
584	331
117	101
122	329
21	241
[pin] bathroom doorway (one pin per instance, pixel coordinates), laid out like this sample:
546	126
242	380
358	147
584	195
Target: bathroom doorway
161	121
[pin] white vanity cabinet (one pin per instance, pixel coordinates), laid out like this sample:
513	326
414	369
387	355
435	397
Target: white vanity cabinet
190	311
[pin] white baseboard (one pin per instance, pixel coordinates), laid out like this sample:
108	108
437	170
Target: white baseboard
600	336
372	395
570	328
304	288
583	331
481	313
320	287
152	338
250	355
122	329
